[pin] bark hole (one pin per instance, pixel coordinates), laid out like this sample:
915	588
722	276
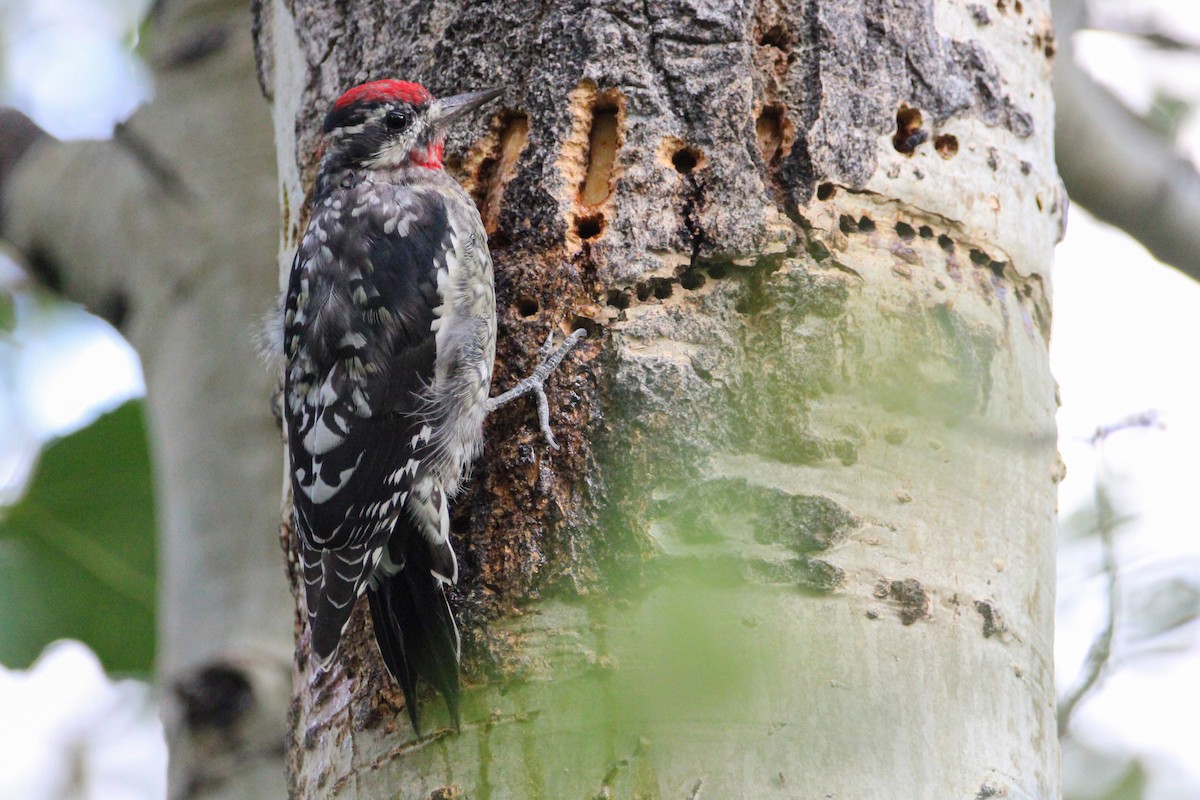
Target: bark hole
692	279
825	191
587	323
685	160
946	243
993	620
866	224
682	157
618	299
590	226
905	231
770	133
496	170
925	232
527	306
946	145
909	133
602	154
776	36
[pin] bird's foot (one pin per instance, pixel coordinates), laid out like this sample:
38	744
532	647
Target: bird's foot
551	357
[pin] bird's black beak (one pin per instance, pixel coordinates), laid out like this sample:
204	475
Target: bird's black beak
446	110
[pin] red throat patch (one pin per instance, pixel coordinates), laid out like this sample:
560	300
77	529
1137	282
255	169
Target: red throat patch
430	158
384	91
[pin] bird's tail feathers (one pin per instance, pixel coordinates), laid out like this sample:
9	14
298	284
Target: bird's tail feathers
333	580
416	633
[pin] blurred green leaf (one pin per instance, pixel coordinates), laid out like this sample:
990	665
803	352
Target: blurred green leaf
1084	523
8	313
1158	604
77	555
1167	114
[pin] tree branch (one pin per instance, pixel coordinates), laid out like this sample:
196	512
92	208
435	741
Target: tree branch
17	134
1116	166
1101	649
1107	522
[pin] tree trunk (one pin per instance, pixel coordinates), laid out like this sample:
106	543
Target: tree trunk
799	539
168	231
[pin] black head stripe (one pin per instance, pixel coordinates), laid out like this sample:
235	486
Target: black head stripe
342	117
358	113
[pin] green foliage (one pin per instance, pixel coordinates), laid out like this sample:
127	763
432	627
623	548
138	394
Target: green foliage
1167	114
8	313
77	552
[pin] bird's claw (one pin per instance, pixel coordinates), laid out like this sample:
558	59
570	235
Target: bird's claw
549	359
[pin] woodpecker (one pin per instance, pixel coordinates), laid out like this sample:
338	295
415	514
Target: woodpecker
389	335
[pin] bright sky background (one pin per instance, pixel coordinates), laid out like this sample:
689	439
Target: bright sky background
69	63
1125	332
64	718
78	367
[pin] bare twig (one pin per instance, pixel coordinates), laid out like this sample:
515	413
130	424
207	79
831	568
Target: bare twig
1100	653
165	174
1146	27
1101	649
17	134
1145	419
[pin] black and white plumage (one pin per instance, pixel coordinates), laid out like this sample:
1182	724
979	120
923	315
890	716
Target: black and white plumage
389	331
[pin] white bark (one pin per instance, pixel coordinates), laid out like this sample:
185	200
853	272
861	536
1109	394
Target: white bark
169	230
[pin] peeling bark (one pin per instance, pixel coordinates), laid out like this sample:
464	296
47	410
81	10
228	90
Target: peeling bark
810	436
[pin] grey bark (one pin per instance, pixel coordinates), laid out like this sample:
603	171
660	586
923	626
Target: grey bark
799	540
168	230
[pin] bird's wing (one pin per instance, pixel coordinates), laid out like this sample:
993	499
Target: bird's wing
360	350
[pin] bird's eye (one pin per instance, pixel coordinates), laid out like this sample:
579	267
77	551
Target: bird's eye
396	120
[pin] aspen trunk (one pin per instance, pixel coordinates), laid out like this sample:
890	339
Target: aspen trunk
167	230
799	540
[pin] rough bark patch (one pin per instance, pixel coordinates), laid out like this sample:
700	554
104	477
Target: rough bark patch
907	596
